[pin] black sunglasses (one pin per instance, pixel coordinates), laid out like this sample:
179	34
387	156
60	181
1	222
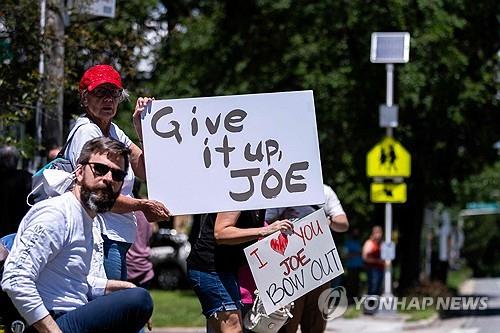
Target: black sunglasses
101	170
101	92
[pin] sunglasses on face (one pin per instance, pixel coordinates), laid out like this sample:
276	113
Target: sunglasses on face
101	92
101	170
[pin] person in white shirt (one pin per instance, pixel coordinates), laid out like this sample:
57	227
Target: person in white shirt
46	274
101	91
306	312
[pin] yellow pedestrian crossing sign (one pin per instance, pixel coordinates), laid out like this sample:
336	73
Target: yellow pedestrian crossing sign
388	158
388	192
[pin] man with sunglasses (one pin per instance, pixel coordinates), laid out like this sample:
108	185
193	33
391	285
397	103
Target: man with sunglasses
101	91
46	274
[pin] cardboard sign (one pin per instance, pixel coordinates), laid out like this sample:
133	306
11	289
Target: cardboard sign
286	267
231	153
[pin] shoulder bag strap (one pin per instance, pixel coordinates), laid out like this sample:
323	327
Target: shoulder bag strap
66	144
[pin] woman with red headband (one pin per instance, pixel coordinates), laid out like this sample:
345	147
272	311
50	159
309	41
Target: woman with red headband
101	91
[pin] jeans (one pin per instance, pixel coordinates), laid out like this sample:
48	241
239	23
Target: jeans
115	255
124	311
216	291
375	278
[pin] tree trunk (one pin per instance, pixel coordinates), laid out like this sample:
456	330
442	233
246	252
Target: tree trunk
410	228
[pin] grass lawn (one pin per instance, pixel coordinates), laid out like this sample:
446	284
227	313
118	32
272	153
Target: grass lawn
455	278
179	308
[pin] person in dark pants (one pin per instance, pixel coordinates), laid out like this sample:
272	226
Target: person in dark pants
306	312
374	263
353	263
46	274
16	185
101	91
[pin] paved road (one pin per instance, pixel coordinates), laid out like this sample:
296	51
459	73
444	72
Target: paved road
474	323
484	324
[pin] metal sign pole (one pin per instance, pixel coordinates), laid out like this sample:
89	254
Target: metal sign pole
388	266
388	160
388	206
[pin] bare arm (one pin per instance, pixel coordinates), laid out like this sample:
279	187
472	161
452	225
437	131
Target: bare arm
47	325
137	161
137	155
153	210
115	285
226	232
339	223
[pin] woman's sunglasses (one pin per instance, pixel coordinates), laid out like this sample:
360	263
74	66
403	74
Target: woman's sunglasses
101	170
101	92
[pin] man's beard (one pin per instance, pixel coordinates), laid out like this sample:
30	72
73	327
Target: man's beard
100	200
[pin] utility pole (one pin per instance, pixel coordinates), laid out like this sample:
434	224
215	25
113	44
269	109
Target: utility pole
54	79
50	106
388	162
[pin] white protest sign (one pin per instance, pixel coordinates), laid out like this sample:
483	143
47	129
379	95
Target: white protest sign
286	267
228	153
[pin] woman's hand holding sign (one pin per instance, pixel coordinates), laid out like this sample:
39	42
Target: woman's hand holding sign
284	226
140	106
226	232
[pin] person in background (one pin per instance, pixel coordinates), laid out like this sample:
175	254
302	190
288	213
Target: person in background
215	258
101	91
373	262
52	150
353	263
46	274
139	266
16	185
306	312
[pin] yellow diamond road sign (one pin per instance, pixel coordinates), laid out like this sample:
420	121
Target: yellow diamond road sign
388	192
388	158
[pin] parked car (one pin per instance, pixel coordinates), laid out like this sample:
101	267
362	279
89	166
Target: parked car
169	251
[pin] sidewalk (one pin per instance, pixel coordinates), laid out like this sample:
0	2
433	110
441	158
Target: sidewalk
361	324
397	323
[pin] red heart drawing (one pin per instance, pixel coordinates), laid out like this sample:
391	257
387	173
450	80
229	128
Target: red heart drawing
279	245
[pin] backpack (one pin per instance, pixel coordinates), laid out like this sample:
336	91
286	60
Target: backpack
54	178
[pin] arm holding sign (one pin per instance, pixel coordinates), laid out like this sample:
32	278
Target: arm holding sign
101	91
137	155
226	232
333	209
153	210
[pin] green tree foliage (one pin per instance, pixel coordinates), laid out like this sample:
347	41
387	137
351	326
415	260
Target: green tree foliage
120	41
447	93
482	233
18	69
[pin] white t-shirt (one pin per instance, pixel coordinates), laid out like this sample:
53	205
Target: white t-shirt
49	262
332	204
118	227
332	207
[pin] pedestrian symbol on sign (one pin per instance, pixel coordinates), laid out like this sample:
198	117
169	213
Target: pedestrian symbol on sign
391	161
388	158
